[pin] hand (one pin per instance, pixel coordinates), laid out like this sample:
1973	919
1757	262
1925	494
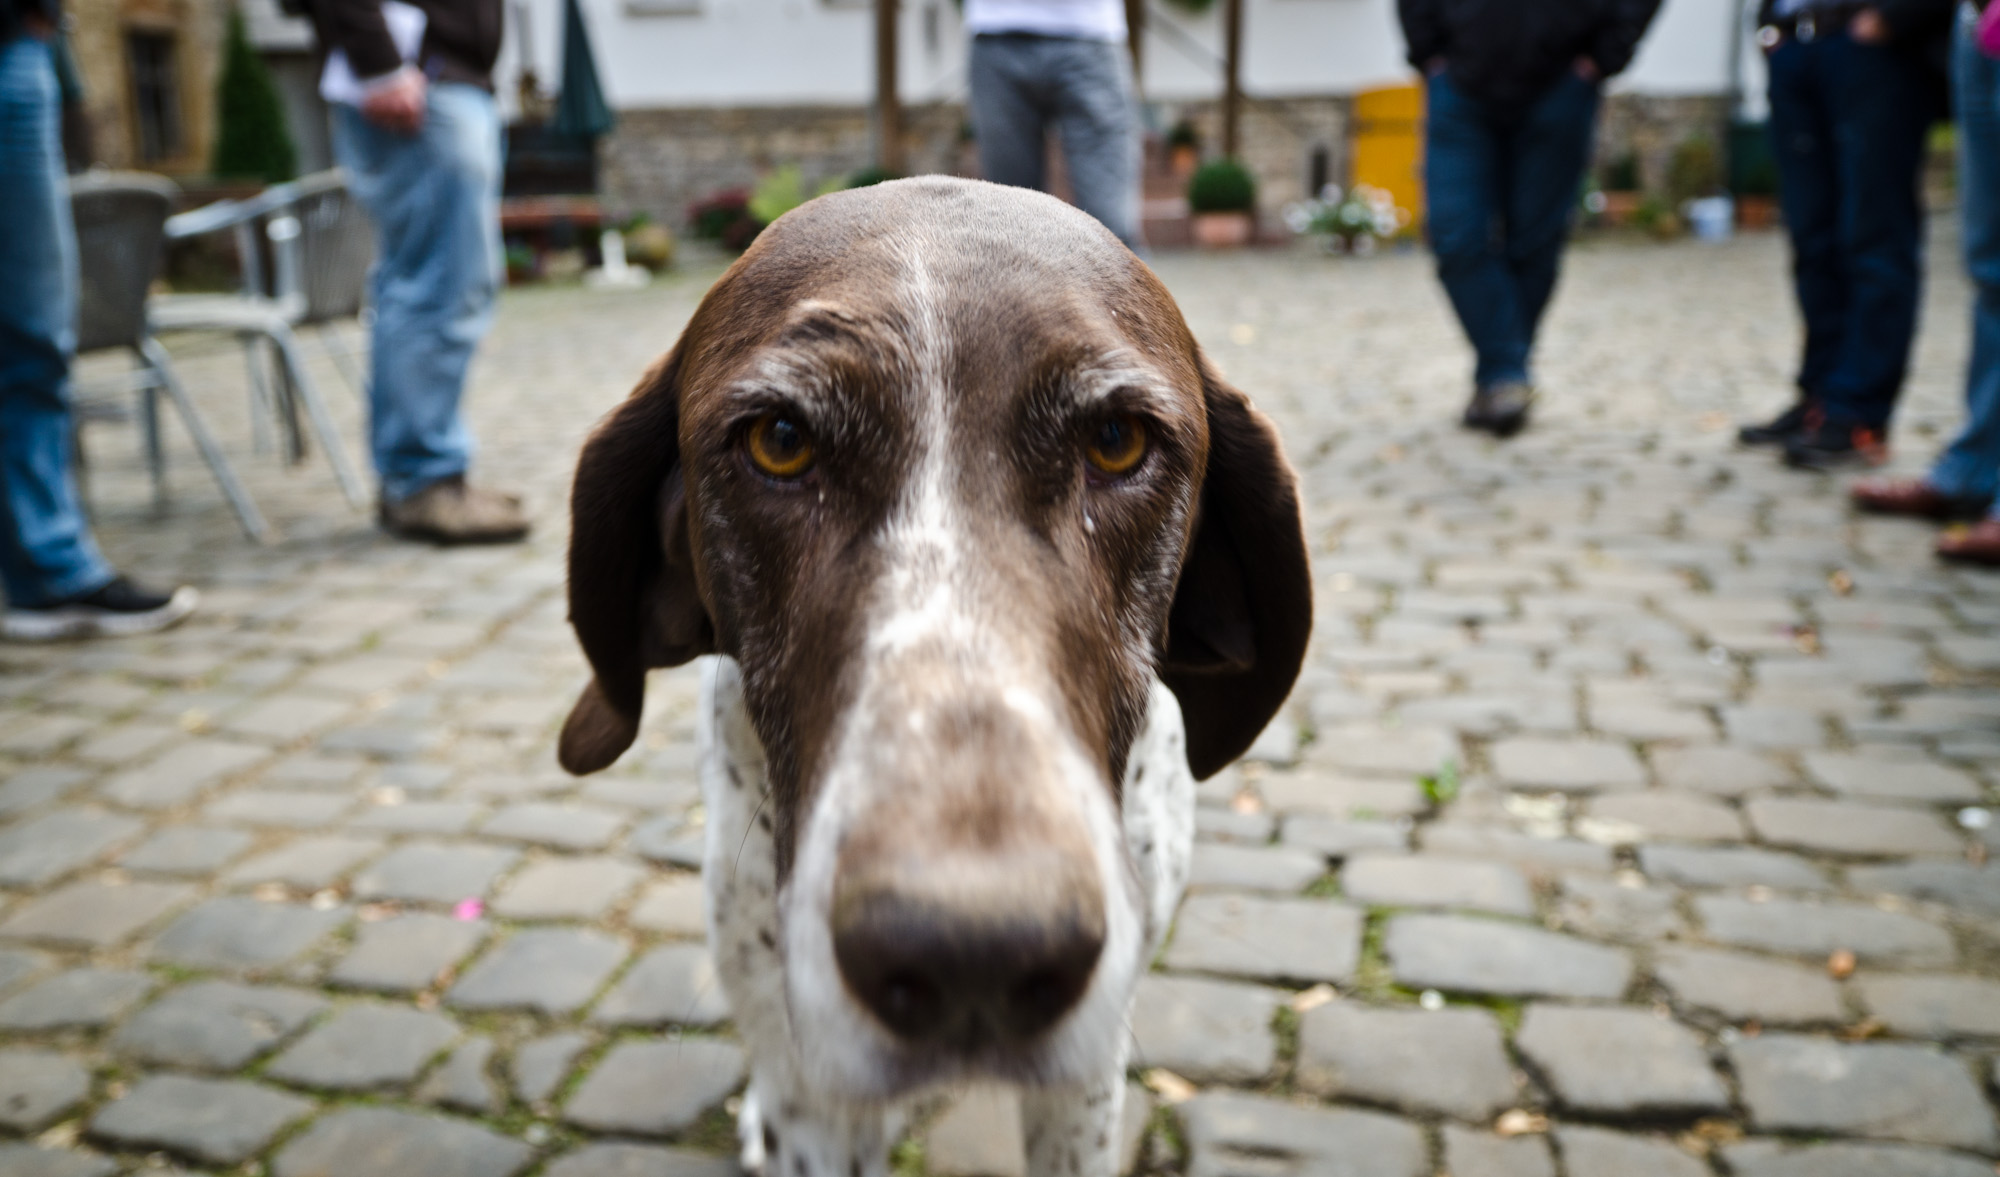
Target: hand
1868	27
398	104
1586	68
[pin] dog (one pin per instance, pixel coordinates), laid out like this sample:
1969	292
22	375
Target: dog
996	565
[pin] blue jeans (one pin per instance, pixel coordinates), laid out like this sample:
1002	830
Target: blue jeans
435	200
1501	186
46	551
1023	85
1847	129
1970	467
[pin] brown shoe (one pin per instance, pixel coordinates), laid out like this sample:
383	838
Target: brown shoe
449	511
1915	497
1977	544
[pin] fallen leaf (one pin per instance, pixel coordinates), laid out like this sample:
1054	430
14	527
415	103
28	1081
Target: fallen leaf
1840	965
1169	1086
1314	997
1520	1122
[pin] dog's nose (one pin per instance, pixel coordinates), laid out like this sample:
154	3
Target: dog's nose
967	956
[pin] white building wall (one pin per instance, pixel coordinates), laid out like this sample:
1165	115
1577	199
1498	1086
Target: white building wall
664	53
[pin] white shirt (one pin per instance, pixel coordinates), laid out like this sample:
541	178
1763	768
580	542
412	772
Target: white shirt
1090	20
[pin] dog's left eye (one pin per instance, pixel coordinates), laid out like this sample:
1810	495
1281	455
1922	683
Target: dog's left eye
779	446
1117	445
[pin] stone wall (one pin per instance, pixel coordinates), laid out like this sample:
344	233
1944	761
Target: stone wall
98	37
1649	128
660	161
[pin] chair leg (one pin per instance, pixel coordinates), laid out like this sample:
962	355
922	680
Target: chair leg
149	429
322	420
346	359
263	403
211	451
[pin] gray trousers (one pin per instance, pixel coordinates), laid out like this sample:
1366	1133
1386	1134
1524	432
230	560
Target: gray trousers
1023	85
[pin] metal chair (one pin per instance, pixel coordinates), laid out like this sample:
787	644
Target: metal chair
264	311
335	251
121	223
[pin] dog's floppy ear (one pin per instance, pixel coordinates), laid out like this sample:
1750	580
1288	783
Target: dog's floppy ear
1242	613
632	595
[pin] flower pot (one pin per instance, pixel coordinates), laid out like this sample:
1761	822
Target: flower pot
1223	230
1182	159
1619	206
1756	212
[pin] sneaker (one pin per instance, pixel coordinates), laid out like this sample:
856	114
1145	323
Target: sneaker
1827	446
1500	409
449	511
119	609
1779	429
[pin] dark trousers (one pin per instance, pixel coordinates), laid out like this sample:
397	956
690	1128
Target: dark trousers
1502	185
1847	127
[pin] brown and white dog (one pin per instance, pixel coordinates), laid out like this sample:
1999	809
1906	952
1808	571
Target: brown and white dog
939	471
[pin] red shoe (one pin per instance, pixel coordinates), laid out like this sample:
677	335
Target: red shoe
1977	544
1914	497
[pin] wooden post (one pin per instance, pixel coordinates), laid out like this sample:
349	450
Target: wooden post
888	108
1232	67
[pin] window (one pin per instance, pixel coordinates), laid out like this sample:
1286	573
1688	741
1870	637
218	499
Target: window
156	95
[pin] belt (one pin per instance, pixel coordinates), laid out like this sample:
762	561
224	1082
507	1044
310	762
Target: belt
1821	20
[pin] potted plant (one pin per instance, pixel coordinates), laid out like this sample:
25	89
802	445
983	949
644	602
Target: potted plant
1753	176
1620	190
1222	195
1183	149
1356	222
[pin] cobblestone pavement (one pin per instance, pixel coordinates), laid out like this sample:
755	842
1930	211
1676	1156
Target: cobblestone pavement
1629	820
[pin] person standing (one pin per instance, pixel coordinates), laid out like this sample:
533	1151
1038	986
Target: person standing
1039	65
1853	89
58	583
422	149
1962	483
1513	89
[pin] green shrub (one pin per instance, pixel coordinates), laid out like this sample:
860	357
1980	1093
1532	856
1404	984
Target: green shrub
1183	134
1695	170
778	193
870	176
1622	174
1222	186
251	139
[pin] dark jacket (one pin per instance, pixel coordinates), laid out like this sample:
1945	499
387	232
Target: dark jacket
1919	28
1915	23
1510	51
14	14
461	37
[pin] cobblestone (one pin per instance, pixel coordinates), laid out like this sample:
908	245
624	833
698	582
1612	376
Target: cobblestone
1228	1133
675	985
1817	929
1600	623
1619	1062
1464	955
655	1088
38	1087
364	1048
553	970
1238	935
221	1122
1743	988
1450	1061
379	1142
214	1025
1889	1091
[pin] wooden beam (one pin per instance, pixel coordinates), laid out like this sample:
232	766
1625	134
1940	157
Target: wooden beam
1232	69
1135	38
888	106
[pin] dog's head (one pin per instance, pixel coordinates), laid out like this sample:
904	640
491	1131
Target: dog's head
940	465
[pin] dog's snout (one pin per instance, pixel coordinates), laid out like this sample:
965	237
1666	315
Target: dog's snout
968	956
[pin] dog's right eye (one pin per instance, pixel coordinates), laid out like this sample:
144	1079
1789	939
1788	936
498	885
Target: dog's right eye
779	446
